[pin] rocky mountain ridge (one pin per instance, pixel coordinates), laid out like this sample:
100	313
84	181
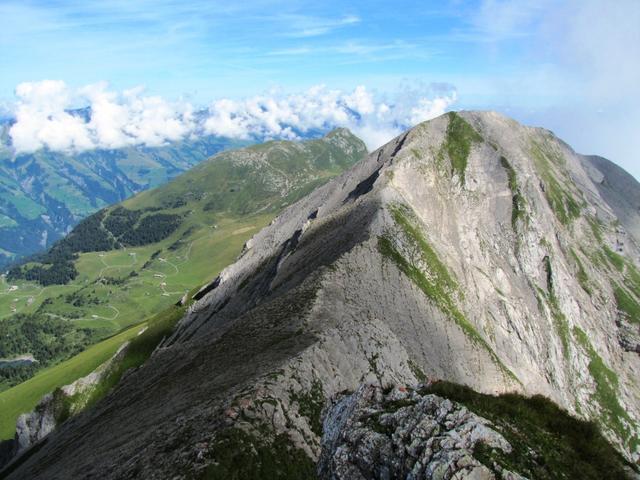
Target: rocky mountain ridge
470	249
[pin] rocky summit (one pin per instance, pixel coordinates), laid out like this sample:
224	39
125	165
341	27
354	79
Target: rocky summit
462	303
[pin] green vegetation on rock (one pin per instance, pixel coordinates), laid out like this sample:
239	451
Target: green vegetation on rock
517	199
615	259
583	278
559	319
627	294
548	163
614	415
240	455
460	136
547	442
596	229
310	405
627	304
436	283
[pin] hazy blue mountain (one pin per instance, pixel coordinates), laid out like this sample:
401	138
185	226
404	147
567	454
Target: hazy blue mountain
44	194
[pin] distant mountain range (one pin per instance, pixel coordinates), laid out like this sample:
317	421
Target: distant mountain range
45	193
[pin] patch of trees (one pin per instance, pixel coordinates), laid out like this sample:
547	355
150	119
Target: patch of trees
47	338
182	240
120	220
151	229
113	280
78	299
131	228
57	273
56	266
173	202
153	256
102	231
87	236
15	374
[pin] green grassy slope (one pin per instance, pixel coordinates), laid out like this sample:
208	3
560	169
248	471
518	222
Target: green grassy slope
220	204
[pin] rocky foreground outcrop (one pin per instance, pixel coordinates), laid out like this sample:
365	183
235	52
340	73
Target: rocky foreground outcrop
403	434
470	249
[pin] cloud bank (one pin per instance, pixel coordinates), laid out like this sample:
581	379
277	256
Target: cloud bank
49	114
45	118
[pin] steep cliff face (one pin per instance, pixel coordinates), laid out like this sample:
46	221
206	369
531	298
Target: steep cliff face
470	249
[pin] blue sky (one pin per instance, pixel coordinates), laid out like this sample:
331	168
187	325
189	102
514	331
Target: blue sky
572	66
211	49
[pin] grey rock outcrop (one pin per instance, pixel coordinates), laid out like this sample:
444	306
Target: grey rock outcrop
404	435
471	249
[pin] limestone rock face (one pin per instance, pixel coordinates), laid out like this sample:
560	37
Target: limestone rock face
34	426
471	249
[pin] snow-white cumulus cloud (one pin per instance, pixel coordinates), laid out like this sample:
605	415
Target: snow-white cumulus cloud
376	118
44	117
47	116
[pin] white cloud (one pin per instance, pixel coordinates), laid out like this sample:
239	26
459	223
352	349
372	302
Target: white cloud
590	54
375	118
41	119
44	118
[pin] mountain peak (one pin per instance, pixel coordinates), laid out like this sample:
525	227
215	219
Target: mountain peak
470	249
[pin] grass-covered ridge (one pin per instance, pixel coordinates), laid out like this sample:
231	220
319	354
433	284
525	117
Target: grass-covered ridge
259	179
138	350
549	164
547	442
460	137
142	341
44	193
435	281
